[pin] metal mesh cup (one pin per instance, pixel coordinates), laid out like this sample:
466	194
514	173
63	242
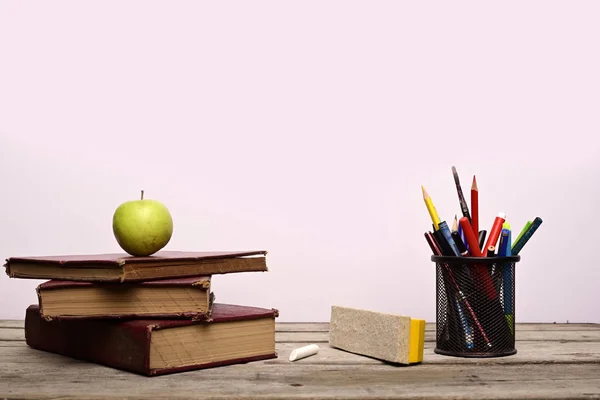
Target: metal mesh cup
475	304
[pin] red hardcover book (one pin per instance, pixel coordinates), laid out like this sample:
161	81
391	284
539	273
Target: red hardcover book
123	267
235	334
166	298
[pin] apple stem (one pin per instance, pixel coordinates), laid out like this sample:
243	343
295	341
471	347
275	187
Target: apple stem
142	195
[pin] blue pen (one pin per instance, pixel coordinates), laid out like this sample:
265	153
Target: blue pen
448	236
465	325
461	234
526	236
505	251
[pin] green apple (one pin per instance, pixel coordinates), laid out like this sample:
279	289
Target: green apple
142	227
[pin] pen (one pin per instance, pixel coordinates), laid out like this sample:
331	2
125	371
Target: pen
462	298
507	288
481	239
448	236
461	199
460	244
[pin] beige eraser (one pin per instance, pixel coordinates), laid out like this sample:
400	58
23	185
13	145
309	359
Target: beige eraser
373	334
303	352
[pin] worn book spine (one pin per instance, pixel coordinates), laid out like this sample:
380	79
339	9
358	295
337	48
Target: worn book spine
200	283
118	268
122	345
102	343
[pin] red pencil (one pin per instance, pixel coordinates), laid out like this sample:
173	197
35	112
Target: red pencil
496	229
481	276
470	237
475	207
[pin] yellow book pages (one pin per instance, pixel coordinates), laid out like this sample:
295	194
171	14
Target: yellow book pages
417	340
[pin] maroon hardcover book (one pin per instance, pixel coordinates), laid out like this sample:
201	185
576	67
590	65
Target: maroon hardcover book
187	297
235	334
123	267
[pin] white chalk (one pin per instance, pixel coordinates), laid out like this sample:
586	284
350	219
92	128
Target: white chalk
304	352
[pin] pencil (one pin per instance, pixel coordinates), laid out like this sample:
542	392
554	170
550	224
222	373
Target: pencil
495	231
525	229
470	238
454	225
518	245
475	206
461	199
431	208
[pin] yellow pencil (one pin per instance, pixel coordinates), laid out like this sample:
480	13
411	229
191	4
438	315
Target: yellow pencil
431	208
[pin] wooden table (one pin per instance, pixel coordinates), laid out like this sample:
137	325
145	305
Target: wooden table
553	361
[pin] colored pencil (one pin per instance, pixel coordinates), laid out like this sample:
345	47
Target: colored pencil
481	271
525	229
475	206
461	199
518	246
496	229
470	237
435	218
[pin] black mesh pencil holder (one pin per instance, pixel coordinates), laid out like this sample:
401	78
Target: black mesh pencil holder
475	303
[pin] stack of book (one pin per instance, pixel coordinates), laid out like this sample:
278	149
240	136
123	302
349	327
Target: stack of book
148	315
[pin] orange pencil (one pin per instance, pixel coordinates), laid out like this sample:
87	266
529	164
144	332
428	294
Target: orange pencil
475	207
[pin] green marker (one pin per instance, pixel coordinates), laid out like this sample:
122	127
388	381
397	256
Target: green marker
525	229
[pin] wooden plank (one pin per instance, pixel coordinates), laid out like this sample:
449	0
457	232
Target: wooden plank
324	326
527	353
8	323
560	363
56	376
17	334
583	336
302	326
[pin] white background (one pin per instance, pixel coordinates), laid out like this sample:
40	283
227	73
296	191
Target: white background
306	128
